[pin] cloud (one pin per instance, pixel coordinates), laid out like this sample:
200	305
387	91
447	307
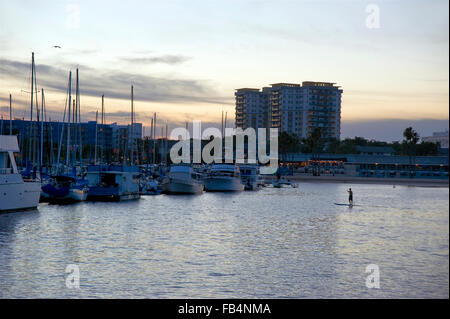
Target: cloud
116	83
165	59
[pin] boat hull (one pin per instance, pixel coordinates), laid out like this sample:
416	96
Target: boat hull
223	184
109	194
18	195
72	195
78	195
182	187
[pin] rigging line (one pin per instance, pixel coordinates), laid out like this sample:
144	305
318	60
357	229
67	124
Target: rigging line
62	129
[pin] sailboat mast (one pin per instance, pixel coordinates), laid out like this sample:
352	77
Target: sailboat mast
68	119
95	151
148	141
80	146
41	151
222	124
131	129
154	138
102	142
225	124
166	143
31	107
10	115
62	129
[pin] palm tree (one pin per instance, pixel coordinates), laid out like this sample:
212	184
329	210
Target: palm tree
288	143
411	140
315	143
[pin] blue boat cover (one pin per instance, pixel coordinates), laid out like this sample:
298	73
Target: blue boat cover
55	192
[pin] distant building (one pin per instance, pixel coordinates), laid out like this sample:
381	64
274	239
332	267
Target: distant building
441	137
376	150
108	135
377	166
292	108
122	135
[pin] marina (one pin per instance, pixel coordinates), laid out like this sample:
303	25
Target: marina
272	243
128	243
225	155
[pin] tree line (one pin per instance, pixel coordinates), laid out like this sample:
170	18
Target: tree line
315	143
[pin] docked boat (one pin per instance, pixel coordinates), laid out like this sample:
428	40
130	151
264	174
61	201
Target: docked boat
250	177
64	189
16	193
224	178
182	180
113	182
150	187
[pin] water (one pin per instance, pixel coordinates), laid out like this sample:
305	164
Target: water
275	243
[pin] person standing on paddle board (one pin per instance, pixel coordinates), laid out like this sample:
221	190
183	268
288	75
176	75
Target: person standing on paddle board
350	196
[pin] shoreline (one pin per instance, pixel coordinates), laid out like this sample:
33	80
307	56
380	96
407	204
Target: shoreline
440	183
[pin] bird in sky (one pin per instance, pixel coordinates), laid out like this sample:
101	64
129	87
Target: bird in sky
57	47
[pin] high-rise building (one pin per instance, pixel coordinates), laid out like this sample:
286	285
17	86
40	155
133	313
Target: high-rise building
292	108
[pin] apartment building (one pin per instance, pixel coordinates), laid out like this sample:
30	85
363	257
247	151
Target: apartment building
292	108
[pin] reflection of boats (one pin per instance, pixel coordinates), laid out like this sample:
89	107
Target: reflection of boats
15	192
64	189
250	177
182	180
279	183
224	178
113	182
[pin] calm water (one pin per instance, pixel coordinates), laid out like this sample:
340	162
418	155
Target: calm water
275	243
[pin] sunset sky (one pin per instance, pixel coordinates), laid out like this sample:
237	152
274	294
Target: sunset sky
185	58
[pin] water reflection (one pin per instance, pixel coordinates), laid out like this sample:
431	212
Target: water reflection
269	244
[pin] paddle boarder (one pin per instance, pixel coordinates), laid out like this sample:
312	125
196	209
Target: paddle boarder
350	196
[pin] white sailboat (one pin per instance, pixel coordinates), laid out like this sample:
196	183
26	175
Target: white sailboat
15	192
224	178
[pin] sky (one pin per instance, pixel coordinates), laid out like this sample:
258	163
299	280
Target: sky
186	58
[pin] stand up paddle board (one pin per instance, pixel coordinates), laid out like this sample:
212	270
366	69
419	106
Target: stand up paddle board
341	204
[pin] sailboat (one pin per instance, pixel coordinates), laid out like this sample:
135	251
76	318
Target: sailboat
66	188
